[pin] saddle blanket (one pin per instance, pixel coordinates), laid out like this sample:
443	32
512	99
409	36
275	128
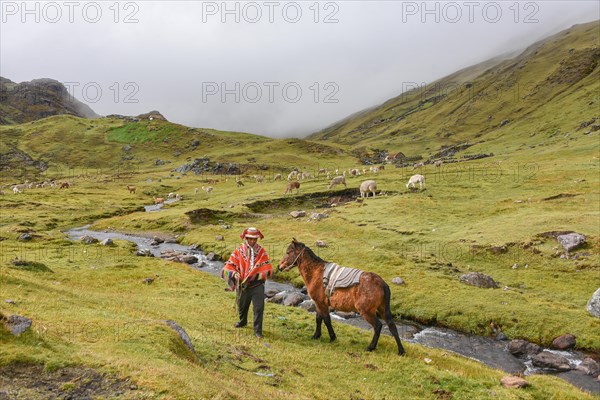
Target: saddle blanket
336	276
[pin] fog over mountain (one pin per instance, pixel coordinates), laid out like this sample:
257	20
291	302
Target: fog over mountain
274	68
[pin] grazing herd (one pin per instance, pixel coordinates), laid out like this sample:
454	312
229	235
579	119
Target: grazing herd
367	188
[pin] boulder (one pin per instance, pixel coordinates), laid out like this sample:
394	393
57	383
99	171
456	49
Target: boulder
271	292
547	360
219	238
520	347
318	216
398	281
593	306
107	242
589	366
513	382
308	305
87	239
24	237
185	338
278	298
564	342
210	256
156	241
144	253
293	299
298	214
17	324
478	279
571	241
321	243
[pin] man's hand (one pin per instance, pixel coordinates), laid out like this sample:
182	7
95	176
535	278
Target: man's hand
236	276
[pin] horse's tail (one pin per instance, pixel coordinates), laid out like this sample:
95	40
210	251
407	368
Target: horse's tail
387	298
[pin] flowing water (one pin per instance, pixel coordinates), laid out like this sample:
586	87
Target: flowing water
487	350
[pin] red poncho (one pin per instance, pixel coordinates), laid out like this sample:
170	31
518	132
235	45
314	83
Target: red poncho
251	267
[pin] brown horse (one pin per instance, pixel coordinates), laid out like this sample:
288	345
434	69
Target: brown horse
371	297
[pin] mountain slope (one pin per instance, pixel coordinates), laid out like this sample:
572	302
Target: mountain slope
40	98
552	86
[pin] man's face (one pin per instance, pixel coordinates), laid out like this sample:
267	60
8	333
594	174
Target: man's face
251	241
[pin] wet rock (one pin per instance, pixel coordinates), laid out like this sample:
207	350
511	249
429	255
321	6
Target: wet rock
548	360
589	366
293	299
107	242
144	253
298	214
156	241
17	324
308	305
189	259
513	382
571	241
346	315
271	292
478	279
564	342
593	306
278	298
520	347
501	336
87	239
398	281
24	237
210	256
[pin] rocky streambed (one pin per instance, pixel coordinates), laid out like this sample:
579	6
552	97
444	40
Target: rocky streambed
514	357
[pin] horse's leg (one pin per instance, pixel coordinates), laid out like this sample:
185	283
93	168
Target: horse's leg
377	325
394	331
327	319
317	334
385	309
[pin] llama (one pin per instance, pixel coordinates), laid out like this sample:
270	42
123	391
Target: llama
366	187
131	189
337	181
291	186
418	178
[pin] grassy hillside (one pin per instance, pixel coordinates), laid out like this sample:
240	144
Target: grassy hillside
548	90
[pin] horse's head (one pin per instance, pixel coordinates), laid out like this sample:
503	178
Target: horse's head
292	255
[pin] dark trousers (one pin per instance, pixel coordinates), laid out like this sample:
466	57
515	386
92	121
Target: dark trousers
256	296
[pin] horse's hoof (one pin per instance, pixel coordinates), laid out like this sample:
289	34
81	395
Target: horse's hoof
315	337
370	348
401	353
332	339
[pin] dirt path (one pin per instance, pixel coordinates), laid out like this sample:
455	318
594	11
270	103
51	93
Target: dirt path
32	382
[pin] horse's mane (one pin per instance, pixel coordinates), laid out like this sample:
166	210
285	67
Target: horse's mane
311	253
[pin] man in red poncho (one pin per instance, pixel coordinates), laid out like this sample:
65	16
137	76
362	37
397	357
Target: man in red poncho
246	272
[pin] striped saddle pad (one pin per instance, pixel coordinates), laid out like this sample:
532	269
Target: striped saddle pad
336	276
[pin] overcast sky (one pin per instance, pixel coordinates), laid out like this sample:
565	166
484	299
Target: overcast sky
275	68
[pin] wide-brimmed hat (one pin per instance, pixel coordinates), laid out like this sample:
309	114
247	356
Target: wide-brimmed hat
251	233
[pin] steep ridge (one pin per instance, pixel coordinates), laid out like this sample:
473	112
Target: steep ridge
37	99
552	86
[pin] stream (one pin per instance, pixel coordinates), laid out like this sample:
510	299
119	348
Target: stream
491	352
